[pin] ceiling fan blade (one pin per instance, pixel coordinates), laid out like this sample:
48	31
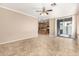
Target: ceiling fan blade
50	10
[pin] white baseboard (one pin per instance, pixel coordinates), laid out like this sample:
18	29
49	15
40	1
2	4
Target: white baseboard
15	40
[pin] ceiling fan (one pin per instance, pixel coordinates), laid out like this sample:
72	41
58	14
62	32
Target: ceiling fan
44	11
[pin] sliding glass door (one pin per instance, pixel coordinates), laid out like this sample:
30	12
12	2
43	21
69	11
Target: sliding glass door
64	27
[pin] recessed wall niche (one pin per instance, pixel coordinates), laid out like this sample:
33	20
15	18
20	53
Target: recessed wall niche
43	27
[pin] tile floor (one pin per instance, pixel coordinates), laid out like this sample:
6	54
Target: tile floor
43	45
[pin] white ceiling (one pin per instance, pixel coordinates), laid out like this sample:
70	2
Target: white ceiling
30	8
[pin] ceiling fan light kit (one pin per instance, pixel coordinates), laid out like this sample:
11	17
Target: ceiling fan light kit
44	14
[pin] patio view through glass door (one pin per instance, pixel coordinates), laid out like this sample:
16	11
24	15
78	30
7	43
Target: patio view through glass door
64	27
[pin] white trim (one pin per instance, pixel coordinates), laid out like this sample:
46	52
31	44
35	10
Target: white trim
17	11
56	27
17	40
65	16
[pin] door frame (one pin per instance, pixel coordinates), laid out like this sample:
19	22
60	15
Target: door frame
74	32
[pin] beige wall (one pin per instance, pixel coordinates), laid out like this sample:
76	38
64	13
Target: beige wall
77	20
15	26
52	27
78	25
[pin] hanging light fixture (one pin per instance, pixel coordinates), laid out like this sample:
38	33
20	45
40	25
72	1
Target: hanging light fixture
44	13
